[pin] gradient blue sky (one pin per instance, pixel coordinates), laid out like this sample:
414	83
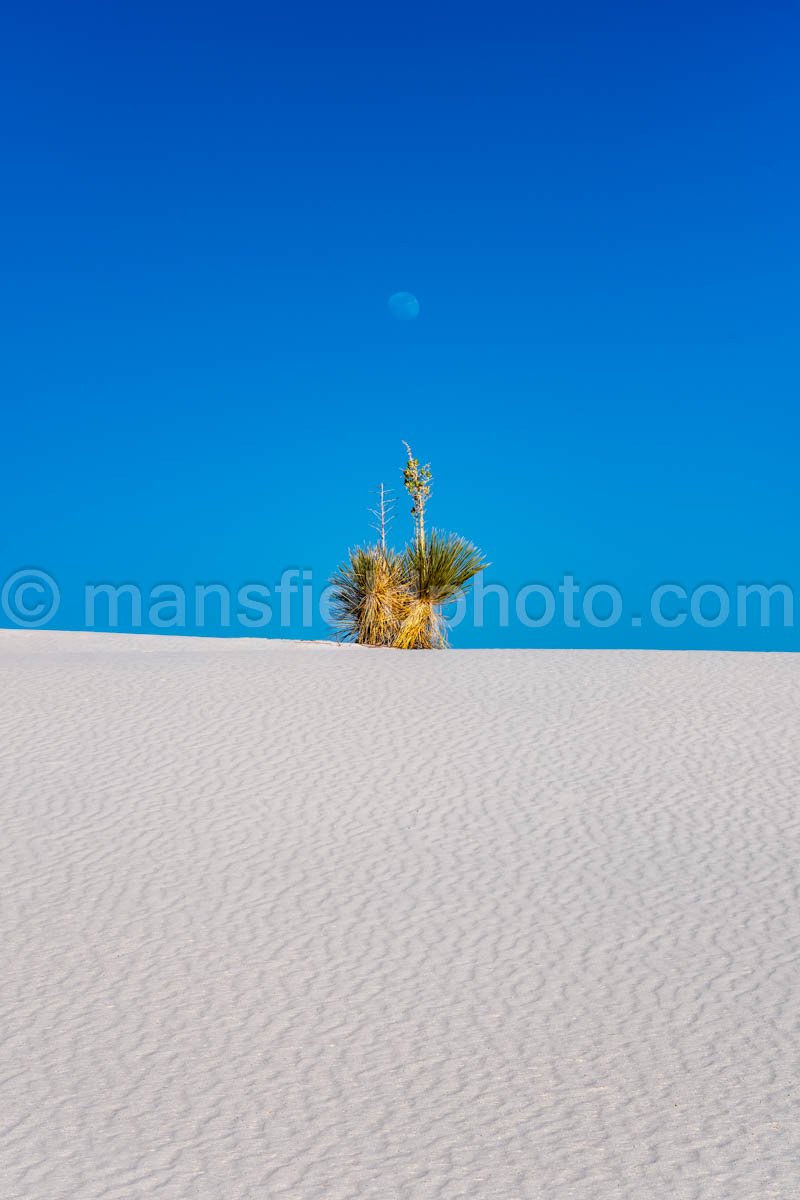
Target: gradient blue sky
205	209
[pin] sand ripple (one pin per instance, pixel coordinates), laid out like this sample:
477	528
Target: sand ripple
317	922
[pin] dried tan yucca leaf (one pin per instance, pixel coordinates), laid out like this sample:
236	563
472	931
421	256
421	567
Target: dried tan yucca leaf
369	596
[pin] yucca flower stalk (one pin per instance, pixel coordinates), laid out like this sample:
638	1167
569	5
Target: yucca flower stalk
417	482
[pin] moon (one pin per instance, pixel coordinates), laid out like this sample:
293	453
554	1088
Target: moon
404	306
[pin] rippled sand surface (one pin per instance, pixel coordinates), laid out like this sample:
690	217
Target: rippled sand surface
286	920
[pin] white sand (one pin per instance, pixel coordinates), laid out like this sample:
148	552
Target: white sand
319	922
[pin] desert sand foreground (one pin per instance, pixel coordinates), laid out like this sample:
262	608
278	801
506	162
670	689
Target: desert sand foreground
299	920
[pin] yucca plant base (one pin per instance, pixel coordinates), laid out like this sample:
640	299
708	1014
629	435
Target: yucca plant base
422	628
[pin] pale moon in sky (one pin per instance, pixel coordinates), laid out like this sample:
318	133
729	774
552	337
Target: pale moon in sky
404	306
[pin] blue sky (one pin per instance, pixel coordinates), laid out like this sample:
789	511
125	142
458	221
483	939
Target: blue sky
206	209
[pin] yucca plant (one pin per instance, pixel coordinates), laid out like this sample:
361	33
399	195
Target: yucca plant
369	597
381	598
436	571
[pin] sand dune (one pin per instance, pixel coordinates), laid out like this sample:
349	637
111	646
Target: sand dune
287	920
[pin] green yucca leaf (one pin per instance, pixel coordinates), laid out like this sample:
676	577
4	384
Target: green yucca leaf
439	569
